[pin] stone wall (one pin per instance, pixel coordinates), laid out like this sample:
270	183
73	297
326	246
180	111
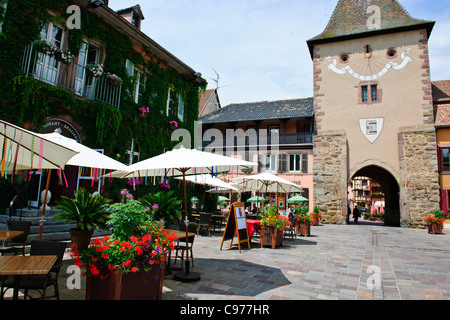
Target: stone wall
330	176
419	174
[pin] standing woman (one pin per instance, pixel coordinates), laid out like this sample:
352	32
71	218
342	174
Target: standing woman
356	213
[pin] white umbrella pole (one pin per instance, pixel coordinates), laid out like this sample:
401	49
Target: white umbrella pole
186	276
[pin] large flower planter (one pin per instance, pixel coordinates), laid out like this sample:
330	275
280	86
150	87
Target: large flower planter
303	228
142	285
435	228
271	236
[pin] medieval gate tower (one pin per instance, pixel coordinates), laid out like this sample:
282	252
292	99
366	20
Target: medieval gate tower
374	110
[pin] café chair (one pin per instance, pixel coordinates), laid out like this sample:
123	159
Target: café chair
290	231
17	245
204	222
182	245
37	282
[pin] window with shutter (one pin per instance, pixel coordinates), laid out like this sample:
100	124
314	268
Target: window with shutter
282	163
304	163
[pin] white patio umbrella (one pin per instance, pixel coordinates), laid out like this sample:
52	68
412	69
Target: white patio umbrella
181	162
221	190
86	157
207	179
266	182
26	150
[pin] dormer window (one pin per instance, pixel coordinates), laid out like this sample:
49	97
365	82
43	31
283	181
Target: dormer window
133	15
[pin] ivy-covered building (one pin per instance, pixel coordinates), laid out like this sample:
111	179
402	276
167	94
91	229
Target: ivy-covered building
89	72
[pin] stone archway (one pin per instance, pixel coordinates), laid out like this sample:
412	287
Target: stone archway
390	188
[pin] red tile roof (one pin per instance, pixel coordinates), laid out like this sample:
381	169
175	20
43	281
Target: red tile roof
441	90
441	100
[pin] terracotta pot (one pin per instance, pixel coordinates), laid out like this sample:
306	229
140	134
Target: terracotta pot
142	285
81	237
303	228
271	236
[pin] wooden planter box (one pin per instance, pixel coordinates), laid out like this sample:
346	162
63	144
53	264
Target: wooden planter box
131	286
303	228
435	228
271	236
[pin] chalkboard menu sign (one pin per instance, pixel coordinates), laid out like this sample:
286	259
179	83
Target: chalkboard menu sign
236	224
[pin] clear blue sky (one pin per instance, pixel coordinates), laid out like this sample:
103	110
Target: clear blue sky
258	47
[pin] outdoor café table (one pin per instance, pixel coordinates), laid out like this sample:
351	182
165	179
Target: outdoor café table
217	220
181	235
252	226
6	235
25	266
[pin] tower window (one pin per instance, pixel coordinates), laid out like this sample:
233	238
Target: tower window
364	93
374	89
369	93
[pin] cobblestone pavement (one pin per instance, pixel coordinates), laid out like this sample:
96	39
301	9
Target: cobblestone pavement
335	262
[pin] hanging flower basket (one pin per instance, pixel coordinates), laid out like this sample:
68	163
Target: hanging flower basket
64	56
114	80
95	70
42	46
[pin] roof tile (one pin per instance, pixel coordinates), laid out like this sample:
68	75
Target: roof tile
265	110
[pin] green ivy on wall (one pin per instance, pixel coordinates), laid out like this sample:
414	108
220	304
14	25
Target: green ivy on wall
23	99
26	99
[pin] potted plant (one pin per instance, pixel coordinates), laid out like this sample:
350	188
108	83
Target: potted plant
316	215
435	222
164	206
128	265
88	212
272	226
304	221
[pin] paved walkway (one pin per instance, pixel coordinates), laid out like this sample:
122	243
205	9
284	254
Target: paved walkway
331	264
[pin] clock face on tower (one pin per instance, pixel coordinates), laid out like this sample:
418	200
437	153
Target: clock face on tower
372	66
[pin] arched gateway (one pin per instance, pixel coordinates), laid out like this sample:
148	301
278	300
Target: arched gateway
374	111
391	190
